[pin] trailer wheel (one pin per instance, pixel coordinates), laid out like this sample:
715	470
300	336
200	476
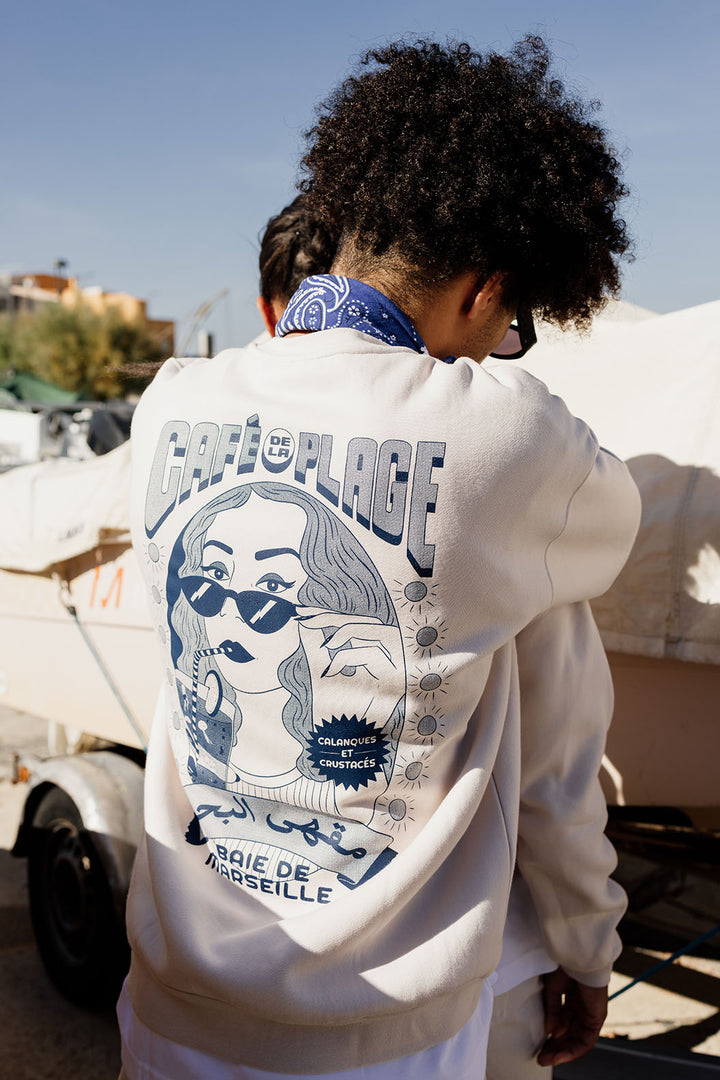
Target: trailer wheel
80	939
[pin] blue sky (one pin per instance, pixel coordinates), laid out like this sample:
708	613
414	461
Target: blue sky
148	142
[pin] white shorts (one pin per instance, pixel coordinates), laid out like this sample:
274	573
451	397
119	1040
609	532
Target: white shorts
517	1033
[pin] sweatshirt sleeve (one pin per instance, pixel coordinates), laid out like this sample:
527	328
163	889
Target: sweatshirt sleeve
566	704
601	522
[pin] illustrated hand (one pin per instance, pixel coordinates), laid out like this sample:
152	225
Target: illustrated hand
574	1014
351	642
357	664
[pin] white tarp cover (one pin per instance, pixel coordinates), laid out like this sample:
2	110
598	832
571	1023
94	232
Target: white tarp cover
57	509
650	388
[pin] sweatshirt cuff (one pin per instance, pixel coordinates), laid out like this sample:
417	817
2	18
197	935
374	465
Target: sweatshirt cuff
601	977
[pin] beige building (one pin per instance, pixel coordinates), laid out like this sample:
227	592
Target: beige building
25	292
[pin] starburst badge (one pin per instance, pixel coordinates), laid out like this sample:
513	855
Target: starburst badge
348	751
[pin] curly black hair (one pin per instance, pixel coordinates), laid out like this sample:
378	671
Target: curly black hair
458	161
295	244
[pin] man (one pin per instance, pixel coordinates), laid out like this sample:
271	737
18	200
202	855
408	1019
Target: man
345	536
297	244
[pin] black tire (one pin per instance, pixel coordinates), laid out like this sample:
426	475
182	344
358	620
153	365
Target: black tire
80	939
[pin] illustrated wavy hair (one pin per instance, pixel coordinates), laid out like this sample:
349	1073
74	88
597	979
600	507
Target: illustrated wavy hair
340	577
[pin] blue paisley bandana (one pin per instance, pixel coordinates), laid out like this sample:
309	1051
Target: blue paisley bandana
326	301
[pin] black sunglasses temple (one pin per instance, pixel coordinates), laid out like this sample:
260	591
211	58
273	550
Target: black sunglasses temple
526	328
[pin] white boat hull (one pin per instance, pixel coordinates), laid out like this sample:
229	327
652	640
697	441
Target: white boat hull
47	667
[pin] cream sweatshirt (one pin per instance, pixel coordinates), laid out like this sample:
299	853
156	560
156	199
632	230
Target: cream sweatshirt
346	545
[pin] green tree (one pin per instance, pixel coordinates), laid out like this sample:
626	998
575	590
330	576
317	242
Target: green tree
97	356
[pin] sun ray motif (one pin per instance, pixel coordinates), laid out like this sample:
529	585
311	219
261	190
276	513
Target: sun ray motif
155	558
410	771
154	553
429	681
424	637
395	813
416	596
427	726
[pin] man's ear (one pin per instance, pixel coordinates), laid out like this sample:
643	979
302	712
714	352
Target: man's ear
265	307
483	294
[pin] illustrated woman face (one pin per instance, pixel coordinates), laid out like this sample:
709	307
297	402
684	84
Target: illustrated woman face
251	564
